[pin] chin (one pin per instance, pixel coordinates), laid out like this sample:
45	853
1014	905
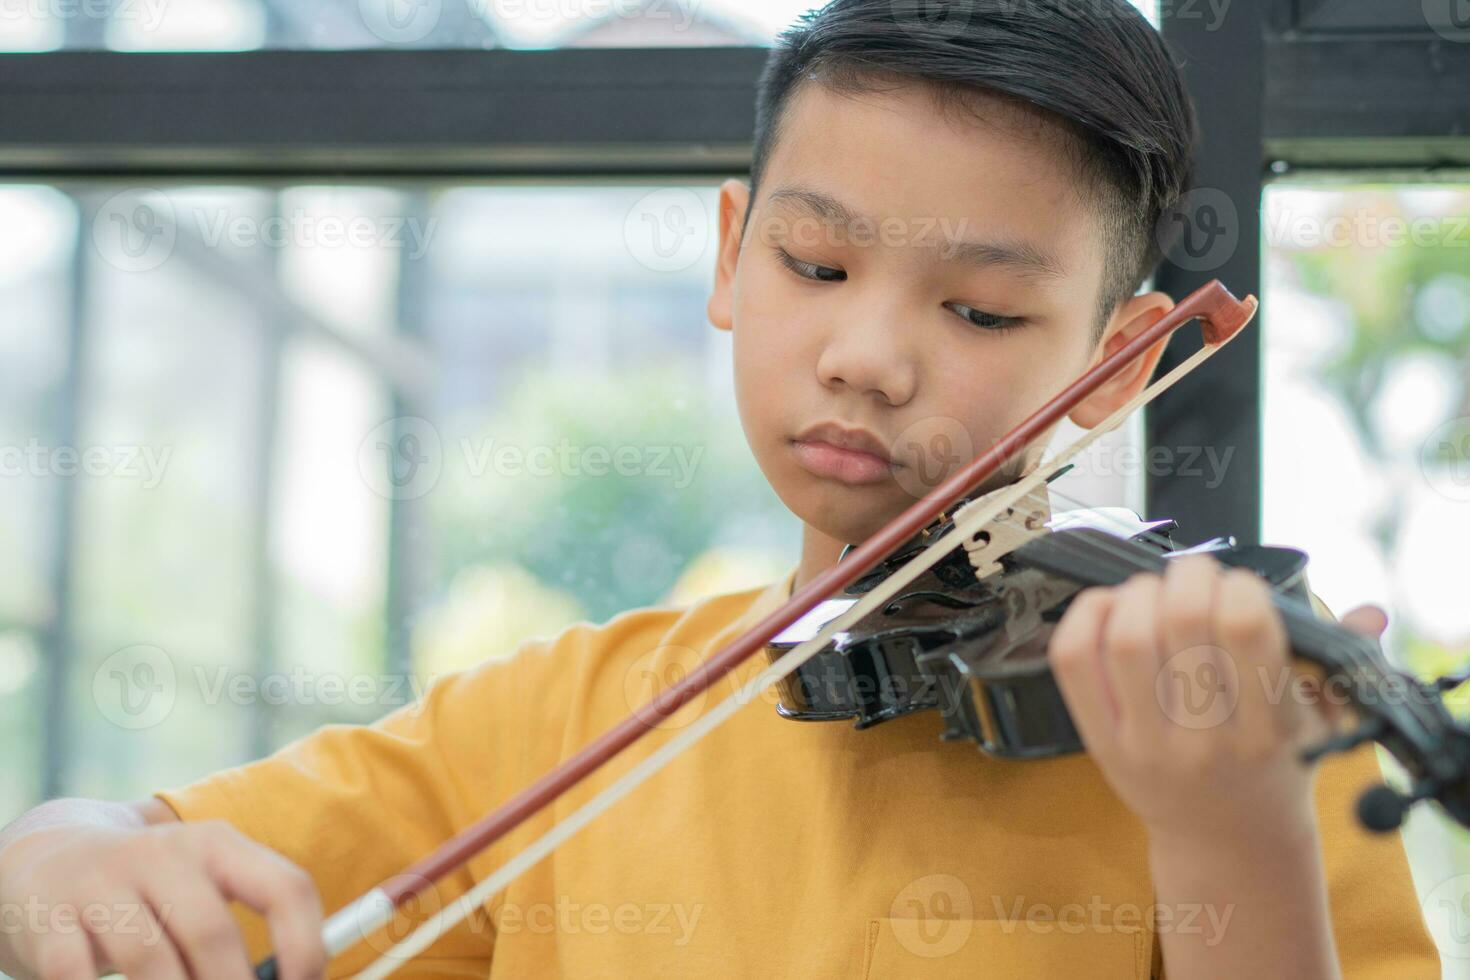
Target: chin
847	514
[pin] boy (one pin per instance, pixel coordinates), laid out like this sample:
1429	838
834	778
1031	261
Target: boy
945	223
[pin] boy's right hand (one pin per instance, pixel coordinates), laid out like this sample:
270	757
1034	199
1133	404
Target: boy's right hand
81	901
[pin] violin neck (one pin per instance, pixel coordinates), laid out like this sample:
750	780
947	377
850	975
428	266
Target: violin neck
1091	557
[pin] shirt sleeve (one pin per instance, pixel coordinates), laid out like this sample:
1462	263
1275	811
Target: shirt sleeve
355	805
1376	916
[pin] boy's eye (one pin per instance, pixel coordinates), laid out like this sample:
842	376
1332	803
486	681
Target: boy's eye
822	273
810	270
983	320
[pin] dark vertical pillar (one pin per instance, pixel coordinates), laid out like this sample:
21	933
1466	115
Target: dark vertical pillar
1218	408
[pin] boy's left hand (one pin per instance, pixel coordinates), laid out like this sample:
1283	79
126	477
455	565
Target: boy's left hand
1181	688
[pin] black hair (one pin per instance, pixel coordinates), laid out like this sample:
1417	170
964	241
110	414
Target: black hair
1096	67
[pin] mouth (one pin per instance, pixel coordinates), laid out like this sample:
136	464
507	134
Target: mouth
835	452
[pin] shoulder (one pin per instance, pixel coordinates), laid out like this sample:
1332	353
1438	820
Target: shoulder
593	656
590	674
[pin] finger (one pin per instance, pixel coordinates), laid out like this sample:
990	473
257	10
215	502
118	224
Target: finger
266	882
1131	651
1248	627
199	922
64	955
1191	587
1369	620
134	941
1075	655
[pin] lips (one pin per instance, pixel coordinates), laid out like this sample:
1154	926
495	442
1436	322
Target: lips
848	455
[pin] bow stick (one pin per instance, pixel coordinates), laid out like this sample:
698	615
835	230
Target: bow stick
1222	317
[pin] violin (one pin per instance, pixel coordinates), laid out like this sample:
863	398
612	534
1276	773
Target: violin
951	609
972	647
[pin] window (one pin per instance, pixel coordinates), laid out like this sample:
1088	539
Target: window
238	25
272	379
1367	386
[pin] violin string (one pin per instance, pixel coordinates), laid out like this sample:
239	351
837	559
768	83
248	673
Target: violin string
1363	663
1362	655
1356	654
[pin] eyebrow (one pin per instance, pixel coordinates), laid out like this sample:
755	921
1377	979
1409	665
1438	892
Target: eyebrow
1024	257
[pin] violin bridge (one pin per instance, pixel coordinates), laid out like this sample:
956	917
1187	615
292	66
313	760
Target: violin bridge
1007	531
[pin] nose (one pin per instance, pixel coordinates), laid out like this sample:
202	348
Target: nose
865	353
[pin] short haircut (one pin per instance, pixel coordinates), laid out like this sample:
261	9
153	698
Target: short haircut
1097	68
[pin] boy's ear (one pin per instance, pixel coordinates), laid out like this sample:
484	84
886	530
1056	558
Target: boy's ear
1131	318
734	196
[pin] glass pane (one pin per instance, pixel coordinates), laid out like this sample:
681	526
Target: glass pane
592	459
1367	387
36	255
232	25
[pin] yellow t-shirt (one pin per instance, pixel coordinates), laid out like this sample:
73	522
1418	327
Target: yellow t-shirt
774	849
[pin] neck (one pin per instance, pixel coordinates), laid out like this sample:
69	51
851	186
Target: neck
818	553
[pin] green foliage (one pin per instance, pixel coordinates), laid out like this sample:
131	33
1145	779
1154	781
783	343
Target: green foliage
1379	278
615	540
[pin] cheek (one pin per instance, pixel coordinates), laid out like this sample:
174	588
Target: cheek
766	359
1000	382
773	336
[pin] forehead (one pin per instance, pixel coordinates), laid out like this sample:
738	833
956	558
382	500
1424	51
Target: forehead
903	152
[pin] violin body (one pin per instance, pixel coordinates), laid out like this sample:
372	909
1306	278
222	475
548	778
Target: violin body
1004	697
974	649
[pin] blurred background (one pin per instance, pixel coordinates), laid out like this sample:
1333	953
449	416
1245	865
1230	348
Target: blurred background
276	451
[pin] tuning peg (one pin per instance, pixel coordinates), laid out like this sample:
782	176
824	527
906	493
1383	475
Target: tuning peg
1383	808
1367	732
1450	681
